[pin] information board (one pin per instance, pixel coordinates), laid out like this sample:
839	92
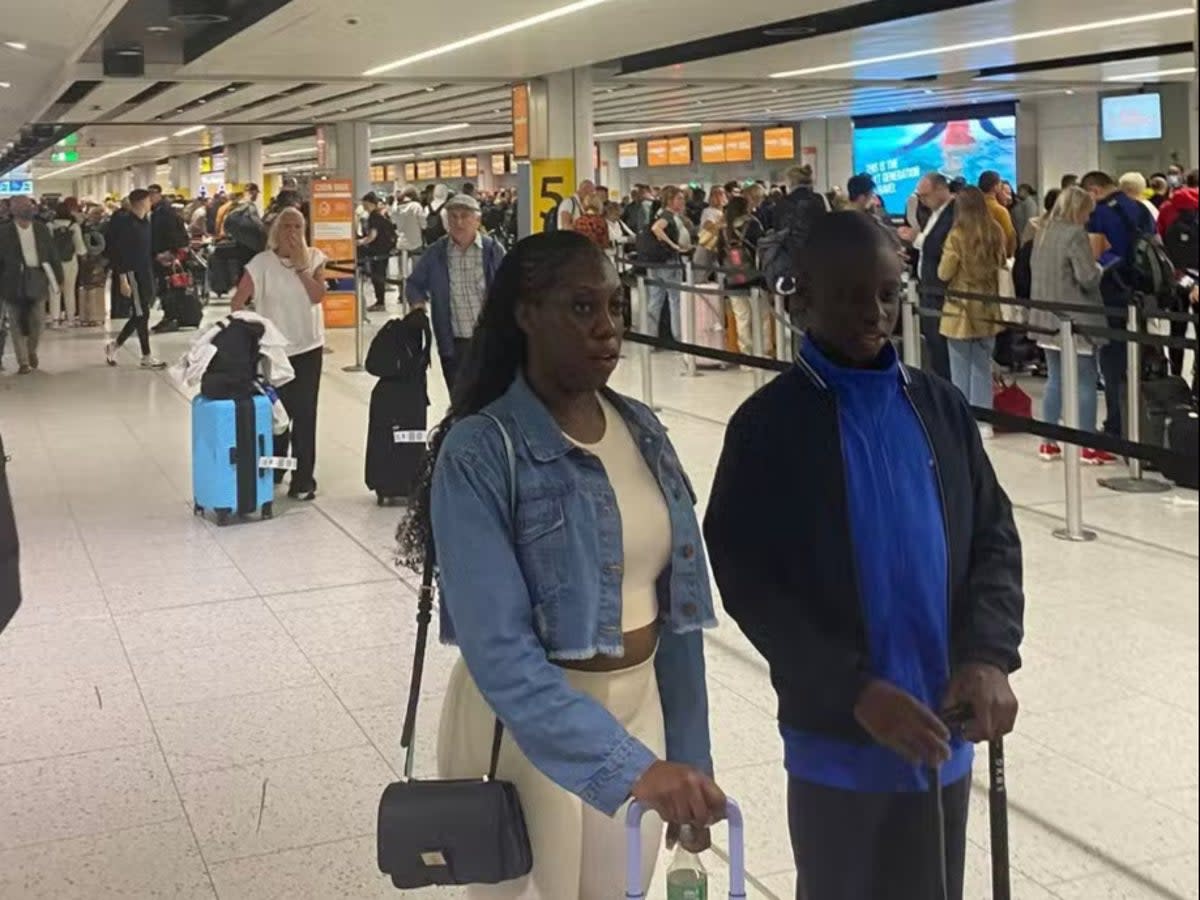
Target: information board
627	155
333	235
738	147
471	167
658	152
779	143
426	170
712	148
679	151
410	172
499	163
450	168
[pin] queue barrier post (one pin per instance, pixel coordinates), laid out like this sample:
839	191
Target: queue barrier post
687	317
1134	483
360	314
756	333
910	328
643	320
1073	529
784	339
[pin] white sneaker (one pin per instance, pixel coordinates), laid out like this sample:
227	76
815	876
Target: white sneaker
986	431
110	353
149	362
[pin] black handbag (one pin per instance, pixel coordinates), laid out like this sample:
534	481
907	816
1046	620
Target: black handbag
448	832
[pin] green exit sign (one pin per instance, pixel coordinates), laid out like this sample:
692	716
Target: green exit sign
69	141
64	156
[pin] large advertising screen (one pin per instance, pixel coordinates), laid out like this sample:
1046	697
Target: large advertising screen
896	156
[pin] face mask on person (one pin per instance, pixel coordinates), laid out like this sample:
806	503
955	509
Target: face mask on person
1173	180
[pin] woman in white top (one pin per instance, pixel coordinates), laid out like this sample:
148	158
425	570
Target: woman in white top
63	307
286	285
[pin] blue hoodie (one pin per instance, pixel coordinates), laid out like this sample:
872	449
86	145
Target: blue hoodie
899	541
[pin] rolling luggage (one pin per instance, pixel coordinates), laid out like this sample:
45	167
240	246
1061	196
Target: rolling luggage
1160	400
183	305
633	852
1183	436
396	432
231	440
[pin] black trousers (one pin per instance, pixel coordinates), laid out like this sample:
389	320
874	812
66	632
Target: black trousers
857	846
378	268
299	398
139	317
452	364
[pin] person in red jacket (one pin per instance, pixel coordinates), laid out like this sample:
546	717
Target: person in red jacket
1183	198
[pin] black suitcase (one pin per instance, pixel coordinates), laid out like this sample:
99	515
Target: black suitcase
399	356
1160	398
183	305
1183	437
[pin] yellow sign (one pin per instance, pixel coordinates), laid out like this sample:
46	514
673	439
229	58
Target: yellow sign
552	180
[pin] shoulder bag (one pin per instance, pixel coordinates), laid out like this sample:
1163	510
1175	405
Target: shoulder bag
447	832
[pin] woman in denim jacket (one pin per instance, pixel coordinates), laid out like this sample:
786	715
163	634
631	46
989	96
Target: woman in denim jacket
579	616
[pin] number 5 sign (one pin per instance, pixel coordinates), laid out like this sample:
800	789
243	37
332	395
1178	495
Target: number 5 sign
552	181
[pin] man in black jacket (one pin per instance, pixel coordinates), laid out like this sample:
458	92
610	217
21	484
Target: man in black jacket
882	583
130	250
933	193
168	235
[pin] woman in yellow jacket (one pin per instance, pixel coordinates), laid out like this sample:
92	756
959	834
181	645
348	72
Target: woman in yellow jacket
971	262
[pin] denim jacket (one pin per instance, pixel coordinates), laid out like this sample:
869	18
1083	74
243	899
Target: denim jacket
517	595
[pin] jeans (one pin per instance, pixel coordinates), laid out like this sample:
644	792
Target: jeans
862	846
971	368
1052	400
299	398
657	295
1113	358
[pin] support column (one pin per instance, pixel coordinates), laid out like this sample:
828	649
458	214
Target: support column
839	131
814	133
348	153
244	163
1068	137
560	143
144	175
185	174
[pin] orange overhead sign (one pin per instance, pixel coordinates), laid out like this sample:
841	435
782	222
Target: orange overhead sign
471	166
378	174
450	168
738	147
658	152
779	143
410	171
499	163
426	170
627	155
680	151
520	120
333	235
712	148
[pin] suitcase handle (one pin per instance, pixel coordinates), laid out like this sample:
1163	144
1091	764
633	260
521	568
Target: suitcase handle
633	851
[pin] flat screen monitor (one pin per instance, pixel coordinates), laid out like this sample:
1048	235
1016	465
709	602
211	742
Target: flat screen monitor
627	155
896	156
1131	117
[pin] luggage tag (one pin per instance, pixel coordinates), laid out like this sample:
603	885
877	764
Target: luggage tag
400	436
285	463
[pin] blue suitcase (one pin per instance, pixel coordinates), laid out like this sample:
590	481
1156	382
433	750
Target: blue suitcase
229	440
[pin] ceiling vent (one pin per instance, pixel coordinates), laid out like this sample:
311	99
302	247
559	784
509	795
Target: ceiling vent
199	12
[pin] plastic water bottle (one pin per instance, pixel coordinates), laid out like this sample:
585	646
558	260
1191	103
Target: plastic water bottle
687	879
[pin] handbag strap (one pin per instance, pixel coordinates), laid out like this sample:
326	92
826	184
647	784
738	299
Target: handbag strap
425	615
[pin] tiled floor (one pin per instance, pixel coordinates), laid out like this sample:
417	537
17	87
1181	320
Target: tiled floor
187	712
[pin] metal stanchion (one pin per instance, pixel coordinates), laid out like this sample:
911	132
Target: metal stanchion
687	318
360	313
756	333
910	326
1072	467
643	320
785	350
1134	483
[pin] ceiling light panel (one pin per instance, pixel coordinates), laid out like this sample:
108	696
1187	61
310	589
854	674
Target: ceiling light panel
440	129
1123	22
483	36
1150	76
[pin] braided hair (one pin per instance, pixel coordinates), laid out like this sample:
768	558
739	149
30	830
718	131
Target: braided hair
496	354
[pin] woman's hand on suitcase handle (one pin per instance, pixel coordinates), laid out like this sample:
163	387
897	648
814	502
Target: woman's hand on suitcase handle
901	722
694	840
680	794
985	690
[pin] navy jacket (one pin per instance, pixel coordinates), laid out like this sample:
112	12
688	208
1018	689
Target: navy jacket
430	281
931	253
779	540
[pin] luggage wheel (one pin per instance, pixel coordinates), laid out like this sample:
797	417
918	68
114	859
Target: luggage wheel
268	510
223	516
197	509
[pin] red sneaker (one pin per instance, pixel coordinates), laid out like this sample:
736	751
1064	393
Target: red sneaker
1049	452
1091	457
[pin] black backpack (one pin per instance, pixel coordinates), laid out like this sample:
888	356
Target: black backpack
401	351
1182	242
652	251
1147	266
385	238
243	225
435	228
64	243
232	371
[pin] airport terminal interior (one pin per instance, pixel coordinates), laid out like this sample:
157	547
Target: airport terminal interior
196	704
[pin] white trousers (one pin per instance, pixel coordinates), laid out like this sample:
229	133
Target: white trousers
578	852
64	302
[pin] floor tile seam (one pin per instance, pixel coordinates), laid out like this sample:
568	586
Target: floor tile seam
264	760
1147	881
389	565
325	681
1155	798
154	731
33	845
244	857
312	590
1136	541
240	695
751	878
378	749
73	754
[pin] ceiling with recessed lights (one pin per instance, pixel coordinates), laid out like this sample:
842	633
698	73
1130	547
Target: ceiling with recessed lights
272	69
